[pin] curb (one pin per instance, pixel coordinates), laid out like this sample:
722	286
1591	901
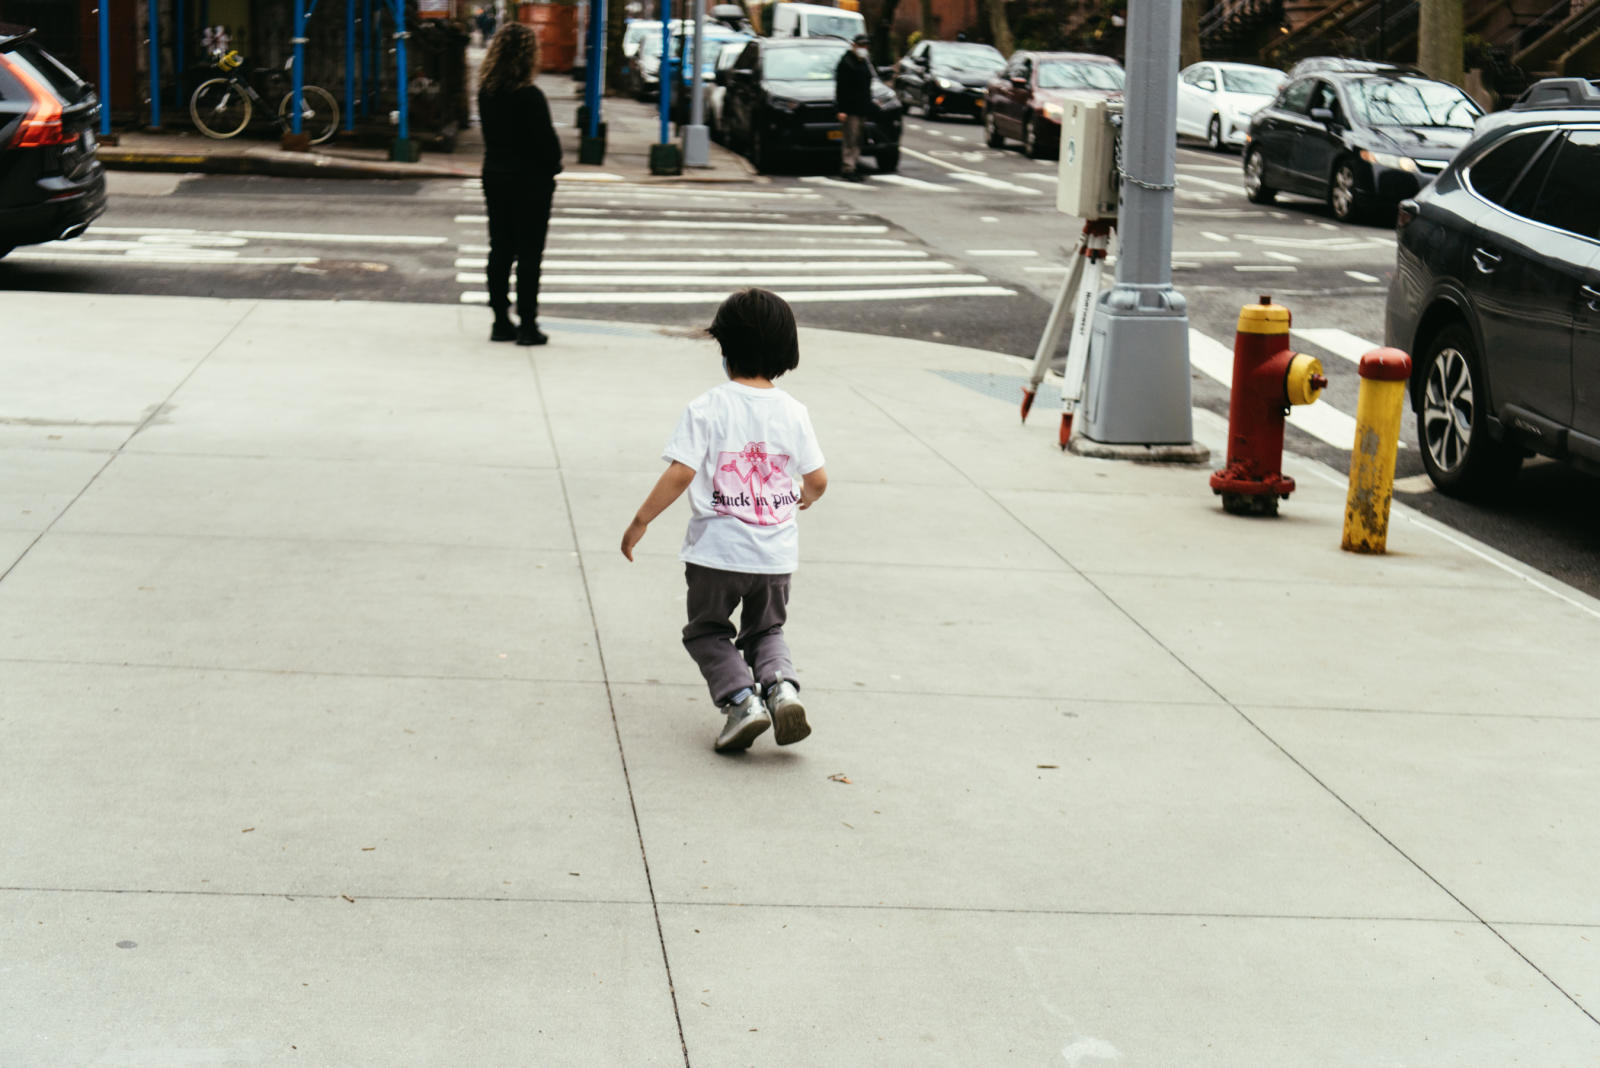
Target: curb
312	166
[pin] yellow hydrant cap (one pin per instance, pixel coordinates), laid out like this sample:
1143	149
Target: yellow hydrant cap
1305	380
1264	318
1386	365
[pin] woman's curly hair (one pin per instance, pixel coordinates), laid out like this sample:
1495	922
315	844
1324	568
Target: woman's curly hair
512	59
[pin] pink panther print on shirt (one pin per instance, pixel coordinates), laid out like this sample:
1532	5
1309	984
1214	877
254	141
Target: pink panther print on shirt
754	486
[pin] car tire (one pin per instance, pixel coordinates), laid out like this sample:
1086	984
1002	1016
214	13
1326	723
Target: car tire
1214	135
1256	189
1030	137
888	160
992	135
1344	199
1460	455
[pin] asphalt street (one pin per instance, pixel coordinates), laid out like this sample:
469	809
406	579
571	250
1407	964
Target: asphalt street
963	245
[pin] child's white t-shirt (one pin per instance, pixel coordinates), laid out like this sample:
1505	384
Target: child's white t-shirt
748	448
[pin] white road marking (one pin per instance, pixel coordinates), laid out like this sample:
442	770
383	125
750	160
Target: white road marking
816	296
716	266
1321	244
707	224
988	218
994	183
1210	236
680	239
1214	254
1322	421
924	157
592	279
676	196
935	133
1221	187
1047	178
1215	168
731	253
1001	252
1362	276
913	183
1339	342
1283	257
1264	267
819	179
156	256
275	235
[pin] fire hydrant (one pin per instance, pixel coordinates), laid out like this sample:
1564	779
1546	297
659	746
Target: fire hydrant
1267	379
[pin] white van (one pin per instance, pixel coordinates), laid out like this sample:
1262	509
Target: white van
814	20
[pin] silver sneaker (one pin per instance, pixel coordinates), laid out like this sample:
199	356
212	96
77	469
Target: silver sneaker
746	722
788	714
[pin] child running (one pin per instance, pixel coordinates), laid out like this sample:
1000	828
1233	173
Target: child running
746	453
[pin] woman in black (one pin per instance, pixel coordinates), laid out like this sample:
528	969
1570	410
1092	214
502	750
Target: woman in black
521	158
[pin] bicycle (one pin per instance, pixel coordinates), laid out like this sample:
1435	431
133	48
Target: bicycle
221	107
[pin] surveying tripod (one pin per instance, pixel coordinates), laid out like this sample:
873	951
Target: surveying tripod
1078	292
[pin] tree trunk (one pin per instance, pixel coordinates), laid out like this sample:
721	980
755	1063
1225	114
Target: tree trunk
616	17
1189	42
925	17
882	31
1000	26
1439	40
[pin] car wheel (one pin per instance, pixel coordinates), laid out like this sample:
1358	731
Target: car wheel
1214	135
1343	198
1458	452
888	160
1030	137
1255	181
992	135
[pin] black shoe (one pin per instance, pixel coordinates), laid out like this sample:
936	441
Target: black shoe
850	176
503	330
528	334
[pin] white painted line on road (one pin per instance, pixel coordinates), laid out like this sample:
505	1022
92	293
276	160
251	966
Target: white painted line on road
995	183
822	179
707	224
156	256
1263	268
588	176
681	240
272	235
667	213
1048	179
1215	168
913	183
1322	421
735	253
747	265
1388	241
645	199
1210	236
1001	252
691	191
1213	254
548	279
1222	187
801	296
1282	257
936	133
1339	342
924	157
1321	244
1363	276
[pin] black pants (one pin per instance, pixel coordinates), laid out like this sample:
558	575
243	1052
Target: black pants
519	219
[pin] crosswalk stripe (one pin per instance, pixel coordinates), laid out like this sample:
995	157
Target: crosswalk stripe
1036	176
874	253
1321	420
913	183
679	239
1225	187
993	183
278	235
724	266
793	296
1341	343
822	179
548	279
719	224
156	257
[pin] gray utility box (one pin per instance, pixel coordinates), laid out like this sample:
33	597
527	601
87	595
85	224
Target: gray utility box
1091	128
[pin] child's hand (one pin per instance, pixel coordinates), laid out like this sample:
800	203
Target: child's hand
631	536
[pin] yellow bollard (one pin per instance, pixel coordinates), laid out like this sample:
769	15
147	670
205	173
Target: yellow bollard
1383	393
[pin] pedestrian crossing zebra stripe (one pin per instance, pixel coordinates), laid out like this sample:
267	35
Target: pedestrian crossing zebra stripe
699	224
733	281
718	266
716	296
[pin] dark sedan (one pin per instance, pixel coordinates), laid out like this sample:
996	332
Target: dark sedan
779	104
947	77
1496	293
1024	101
1362	140
51	182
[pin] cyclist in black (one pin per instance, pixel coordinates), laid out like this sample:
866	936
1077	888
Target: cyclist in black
521	158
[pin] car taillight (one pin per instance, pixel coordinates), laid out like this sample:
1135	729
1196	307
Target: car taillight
42	124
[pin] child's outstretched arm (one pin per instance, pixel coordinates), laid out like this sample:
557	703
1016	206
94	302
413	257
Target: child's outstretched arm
673	481
813	485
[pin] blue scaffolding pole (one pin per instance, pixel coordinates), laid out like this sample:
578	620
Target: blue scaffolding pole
595	65
349	65
180	41
155	65
366	57
105	68
403	149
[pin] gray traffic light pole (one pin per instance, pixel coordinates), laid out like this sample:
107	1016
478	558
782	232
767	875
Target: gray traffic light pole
1137	401
696	138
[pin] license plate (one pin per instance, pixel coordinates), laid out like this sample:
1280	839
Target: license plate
835	135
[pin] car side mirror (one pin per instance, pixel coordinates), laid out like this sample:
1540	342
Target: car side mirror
1322	115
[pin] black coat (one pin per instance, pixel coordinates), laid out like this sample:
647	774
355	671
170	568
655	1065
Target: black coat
853	92
518	135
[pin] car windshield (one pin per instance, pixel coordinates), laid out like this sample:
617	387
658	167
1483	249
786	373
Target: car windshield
832	26
708	50
1412	102
1080	76
802	64
967	56
1253	82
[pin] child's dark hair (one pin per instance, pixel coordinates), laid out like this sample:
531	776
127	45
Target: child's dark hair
756	330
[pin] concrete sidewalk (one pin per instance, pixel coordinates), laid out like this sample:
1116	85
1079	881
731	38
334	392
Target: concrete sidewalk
631	130
339	732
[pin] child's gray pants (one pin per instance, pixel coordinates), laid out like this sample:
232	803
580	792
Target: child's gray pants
730	660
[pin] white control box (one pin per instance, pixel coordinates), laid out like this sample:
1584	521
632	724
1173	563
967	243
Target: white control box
1090	130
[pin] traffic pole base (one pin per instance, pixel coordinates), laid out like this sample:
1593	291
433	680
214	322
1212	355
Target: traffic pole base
297	142
405	151
1065	437
666	159
1027	402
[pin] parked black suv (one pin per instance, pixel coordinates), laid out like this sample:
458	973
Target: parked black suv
1496	293
779	104
51	183
1363	139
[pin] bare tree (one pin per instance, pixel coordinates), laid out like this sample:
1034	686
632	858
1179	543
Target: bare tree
1189	43
1000	26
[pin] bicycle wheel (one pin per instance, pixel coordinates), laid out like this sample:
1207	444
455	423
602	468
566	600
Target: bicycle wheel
219	109
319	114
